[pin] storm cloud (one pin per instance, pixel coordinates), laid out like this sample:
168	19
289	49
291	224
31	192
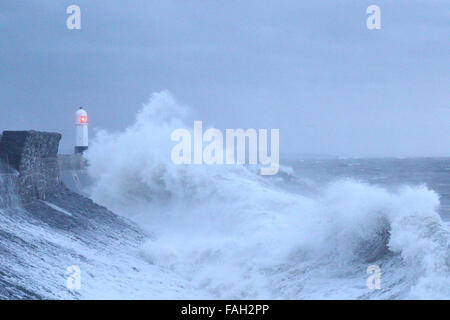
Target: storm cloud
309	68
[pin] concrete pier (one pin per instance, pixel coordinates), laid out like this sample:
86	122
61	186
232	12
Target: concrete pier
73	173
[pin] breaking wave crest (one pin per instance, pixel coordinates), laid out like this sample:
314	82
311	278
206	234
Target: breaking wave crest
235	234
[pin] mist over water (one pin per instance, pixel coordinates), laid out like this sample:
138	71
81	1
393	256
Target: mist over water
232	233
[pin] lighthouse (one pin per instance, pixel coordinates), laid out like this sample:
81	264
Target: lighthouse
81	127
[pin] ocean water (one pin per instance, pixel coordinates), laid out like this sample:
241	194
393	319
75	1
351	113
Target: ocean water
389	173
310	232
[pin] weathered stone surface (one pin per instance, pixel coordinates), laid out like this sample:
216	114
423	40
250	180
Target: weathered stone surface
20	148
34	155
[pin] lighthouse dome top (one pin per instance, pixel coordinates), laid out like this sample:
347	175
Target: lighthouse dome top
81	116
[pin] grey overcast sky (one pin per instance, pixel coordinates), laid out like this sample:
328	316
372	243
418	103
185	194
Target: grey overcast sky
310	68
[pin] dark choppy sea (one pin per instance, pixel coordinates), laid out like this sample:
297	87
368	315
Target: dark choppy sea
385	172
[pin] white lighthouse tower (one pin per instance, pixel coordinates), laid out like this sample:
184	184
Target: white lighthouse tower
81	125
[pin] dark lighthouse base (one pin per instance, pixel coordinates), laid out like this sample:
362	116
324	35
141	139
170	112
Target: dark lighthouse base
80	150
